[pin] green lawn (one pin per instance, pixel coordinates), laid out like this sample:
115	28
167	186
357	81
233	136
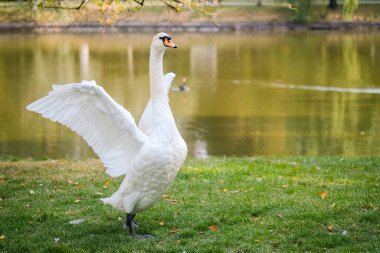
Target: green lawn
215	205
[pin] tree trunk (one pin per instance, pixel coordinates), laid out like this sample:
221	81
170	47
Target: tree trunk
333	4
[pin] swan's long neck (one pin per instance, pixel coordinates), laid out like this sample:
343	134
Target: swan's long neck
156	74
161	114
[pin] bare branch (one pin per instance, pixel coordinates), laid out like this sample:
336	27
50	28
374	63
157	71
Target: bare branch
63	7
140	3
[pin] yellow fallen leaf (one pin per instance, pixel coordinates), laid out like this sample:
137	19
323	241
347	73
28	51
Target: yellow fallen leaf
220	181
284	186
2	237
323	195
257	241
99	193
333	205
225	190
173	230
31	192
77	201
106	183
213	228
70	182
162	223
330	227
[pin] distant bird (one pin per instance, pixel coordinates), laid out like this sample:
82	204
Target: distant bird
182	87
149	155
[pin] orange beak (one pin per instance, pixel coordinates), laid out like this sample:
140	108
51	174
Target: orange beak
169	43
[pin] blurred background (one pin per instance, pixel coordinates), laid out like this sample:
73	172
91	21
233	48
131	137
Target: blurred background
248	91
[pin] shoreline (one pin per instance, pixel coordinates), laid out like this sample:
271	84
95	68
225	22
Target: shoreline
227	26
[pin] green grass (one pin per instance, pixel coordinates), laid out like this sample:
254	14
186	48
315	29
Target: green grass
258	204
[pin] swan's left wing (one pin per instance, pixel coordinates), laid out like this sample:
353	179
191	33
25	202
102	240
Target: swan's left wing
106	126
146	120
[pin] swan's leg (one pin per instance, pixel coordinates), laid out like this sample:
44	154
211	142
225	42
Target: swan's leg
130	224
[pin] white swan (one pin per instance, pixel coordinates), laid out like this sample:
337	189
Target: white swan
149	155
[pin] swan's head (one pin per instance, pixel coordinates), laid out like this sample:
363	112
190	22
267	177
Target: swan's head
162	41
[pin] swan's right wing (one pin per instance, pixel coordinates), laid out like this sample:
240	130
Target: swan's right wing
106	126
146	120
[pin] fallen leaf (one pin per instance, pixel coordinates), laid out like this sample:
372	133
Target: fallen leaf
99	193
330	227
333	205
70	182
279	215
56	240
323	195
220	181
213	228
27	205
162	223
2	237
274	244
257	241
31	192
76	222
77	201
106	183
284	186
205	180
173	230
178	241
54	179
225	190
344	232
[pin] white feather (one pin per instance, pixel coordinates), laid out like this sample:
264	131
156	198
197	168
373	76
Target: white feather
106	126
146	121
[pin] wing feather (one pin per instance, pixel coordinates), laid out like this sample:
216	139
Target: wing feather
90	112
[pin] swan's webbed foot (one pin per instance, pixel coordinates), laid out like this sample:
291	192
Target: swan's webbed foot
144	237
131	224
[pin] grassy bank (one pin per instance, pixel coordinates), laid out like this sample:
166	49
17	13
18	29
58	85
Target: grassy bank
215	205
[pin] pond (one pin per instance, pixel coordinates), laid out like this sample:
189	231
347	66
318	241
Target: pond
250	93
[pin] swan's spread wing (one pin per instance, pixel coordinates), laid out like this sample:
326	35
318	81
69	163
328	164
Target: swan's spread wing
89	111
146	120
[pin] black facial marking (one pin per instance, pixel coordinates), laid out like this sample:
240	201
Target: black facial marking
165	37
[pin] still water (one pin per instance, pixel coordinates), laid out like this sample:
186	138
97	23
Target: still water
251	94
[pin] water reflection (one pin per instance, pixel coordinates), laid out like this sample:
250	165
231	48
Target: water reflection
251	94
